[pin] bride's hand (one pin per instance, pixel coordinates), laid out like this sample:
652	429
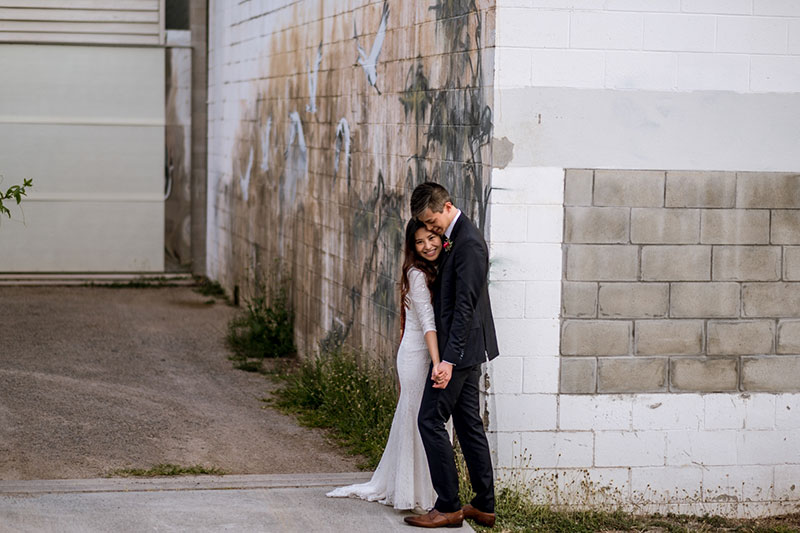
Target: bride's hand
443	373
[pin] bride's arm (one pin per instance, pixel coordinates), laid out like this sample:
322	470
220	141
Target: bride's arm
421	298
433	347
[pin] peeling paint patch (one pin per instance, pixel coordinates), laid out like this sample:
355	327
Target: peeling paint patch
502	152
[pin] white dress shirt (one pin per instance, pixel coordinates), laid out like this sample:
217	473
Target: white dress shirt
449	229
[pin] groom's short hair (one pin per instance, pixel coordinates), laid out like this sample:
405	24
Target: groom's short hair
428	195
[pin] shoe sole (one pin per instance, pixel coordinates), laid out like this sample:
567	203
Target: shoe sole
481	522
458	524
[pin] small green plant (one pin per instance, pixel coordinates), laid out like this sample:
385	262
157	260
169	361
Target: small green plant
355	400
138	283
264	330
207	287
166	469
15	192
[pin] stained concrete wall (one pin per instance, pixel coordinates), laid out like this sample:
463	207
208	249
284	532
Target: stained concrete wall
178	171
323	116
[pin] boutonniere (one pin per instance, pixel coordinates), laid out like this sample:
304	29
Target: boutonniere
447	245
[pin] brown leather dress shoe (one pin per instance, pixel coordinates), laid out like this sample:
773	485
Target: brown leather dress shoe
484	519
436	519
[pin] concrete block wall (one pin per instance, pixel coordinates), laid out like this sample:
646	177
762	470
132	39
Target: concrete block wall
746	46
313	150
673	125
671	417
680	281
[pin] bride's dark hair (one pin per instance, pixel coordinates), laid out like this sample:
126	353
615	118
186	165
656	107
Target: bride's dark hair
412	259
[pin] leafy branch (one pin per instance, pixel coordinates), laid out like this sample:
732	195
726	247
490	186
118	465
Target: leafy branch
15	192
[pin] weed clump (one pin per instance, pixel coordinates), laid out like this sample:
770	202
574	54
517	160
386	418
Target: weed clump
336	389
264	330
167	469
208	287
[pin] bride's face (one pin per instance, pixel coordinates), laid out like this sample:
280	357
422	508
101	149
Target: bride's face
428	244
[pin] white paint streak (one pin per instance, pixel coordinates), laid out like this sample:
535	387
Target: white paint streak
265	145
244	180
369	62
312	81
342	136
296	157
296	132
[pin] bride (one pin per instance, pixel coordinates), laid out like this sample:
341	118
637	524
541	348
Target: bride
402	478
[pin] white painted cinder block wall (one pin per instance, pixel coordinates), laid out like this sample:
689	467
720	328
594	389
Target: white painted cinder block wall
632	84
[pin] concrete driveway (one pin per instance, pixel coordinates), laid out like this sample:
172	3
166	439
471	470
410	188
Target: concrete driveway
96	379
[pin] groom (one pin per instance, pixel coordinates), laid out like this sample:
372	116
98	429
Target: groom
466	334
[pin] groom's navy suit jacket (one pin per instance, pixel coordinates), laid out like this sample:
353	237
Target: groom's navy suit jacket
464	322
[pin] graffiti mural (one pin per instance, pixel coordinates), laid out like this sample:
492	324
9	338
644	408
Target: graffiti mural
459	123
330	155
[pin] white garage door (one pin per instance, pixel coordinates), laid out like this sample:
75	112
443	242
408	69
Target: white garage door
86	123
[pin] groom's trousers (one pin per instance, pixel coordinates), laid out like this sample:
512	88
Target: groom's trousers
461	399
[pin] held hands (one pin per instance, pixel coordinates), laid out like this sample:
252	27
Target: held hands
441	375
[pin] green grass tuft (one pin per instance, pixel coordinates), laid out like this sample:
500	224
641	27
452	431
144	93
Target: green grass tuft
333	390
207	287
264	330
166	469
355	400
138	283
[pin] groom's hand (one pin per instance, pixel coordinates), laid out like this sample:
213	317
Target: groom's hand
444	371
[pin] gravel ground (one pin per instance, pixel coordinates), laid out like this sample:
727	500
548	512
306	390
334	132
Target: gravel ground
97	379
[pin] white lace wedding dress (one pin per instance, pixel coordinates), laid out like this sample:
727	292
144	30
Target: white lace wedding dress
402	478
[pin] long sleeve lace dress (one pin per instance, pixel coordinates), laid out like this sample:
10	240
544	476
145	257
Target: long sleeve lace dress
402	478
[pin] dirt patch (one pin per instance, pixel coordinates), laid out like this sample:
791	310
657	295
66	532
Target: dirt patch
96	379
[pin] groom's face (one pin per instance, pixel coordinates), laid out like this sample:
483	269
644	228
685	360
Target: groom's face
438	222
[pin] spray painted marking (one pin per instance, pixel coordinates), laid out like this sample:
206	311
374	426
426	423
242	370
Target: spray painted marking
342	136
312	81
296	156
370	62
296	132
244	180
265	145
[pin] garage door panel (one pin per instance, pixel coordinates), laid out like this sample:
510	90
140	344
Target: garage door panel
86	123
82	83
102	236
81	160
